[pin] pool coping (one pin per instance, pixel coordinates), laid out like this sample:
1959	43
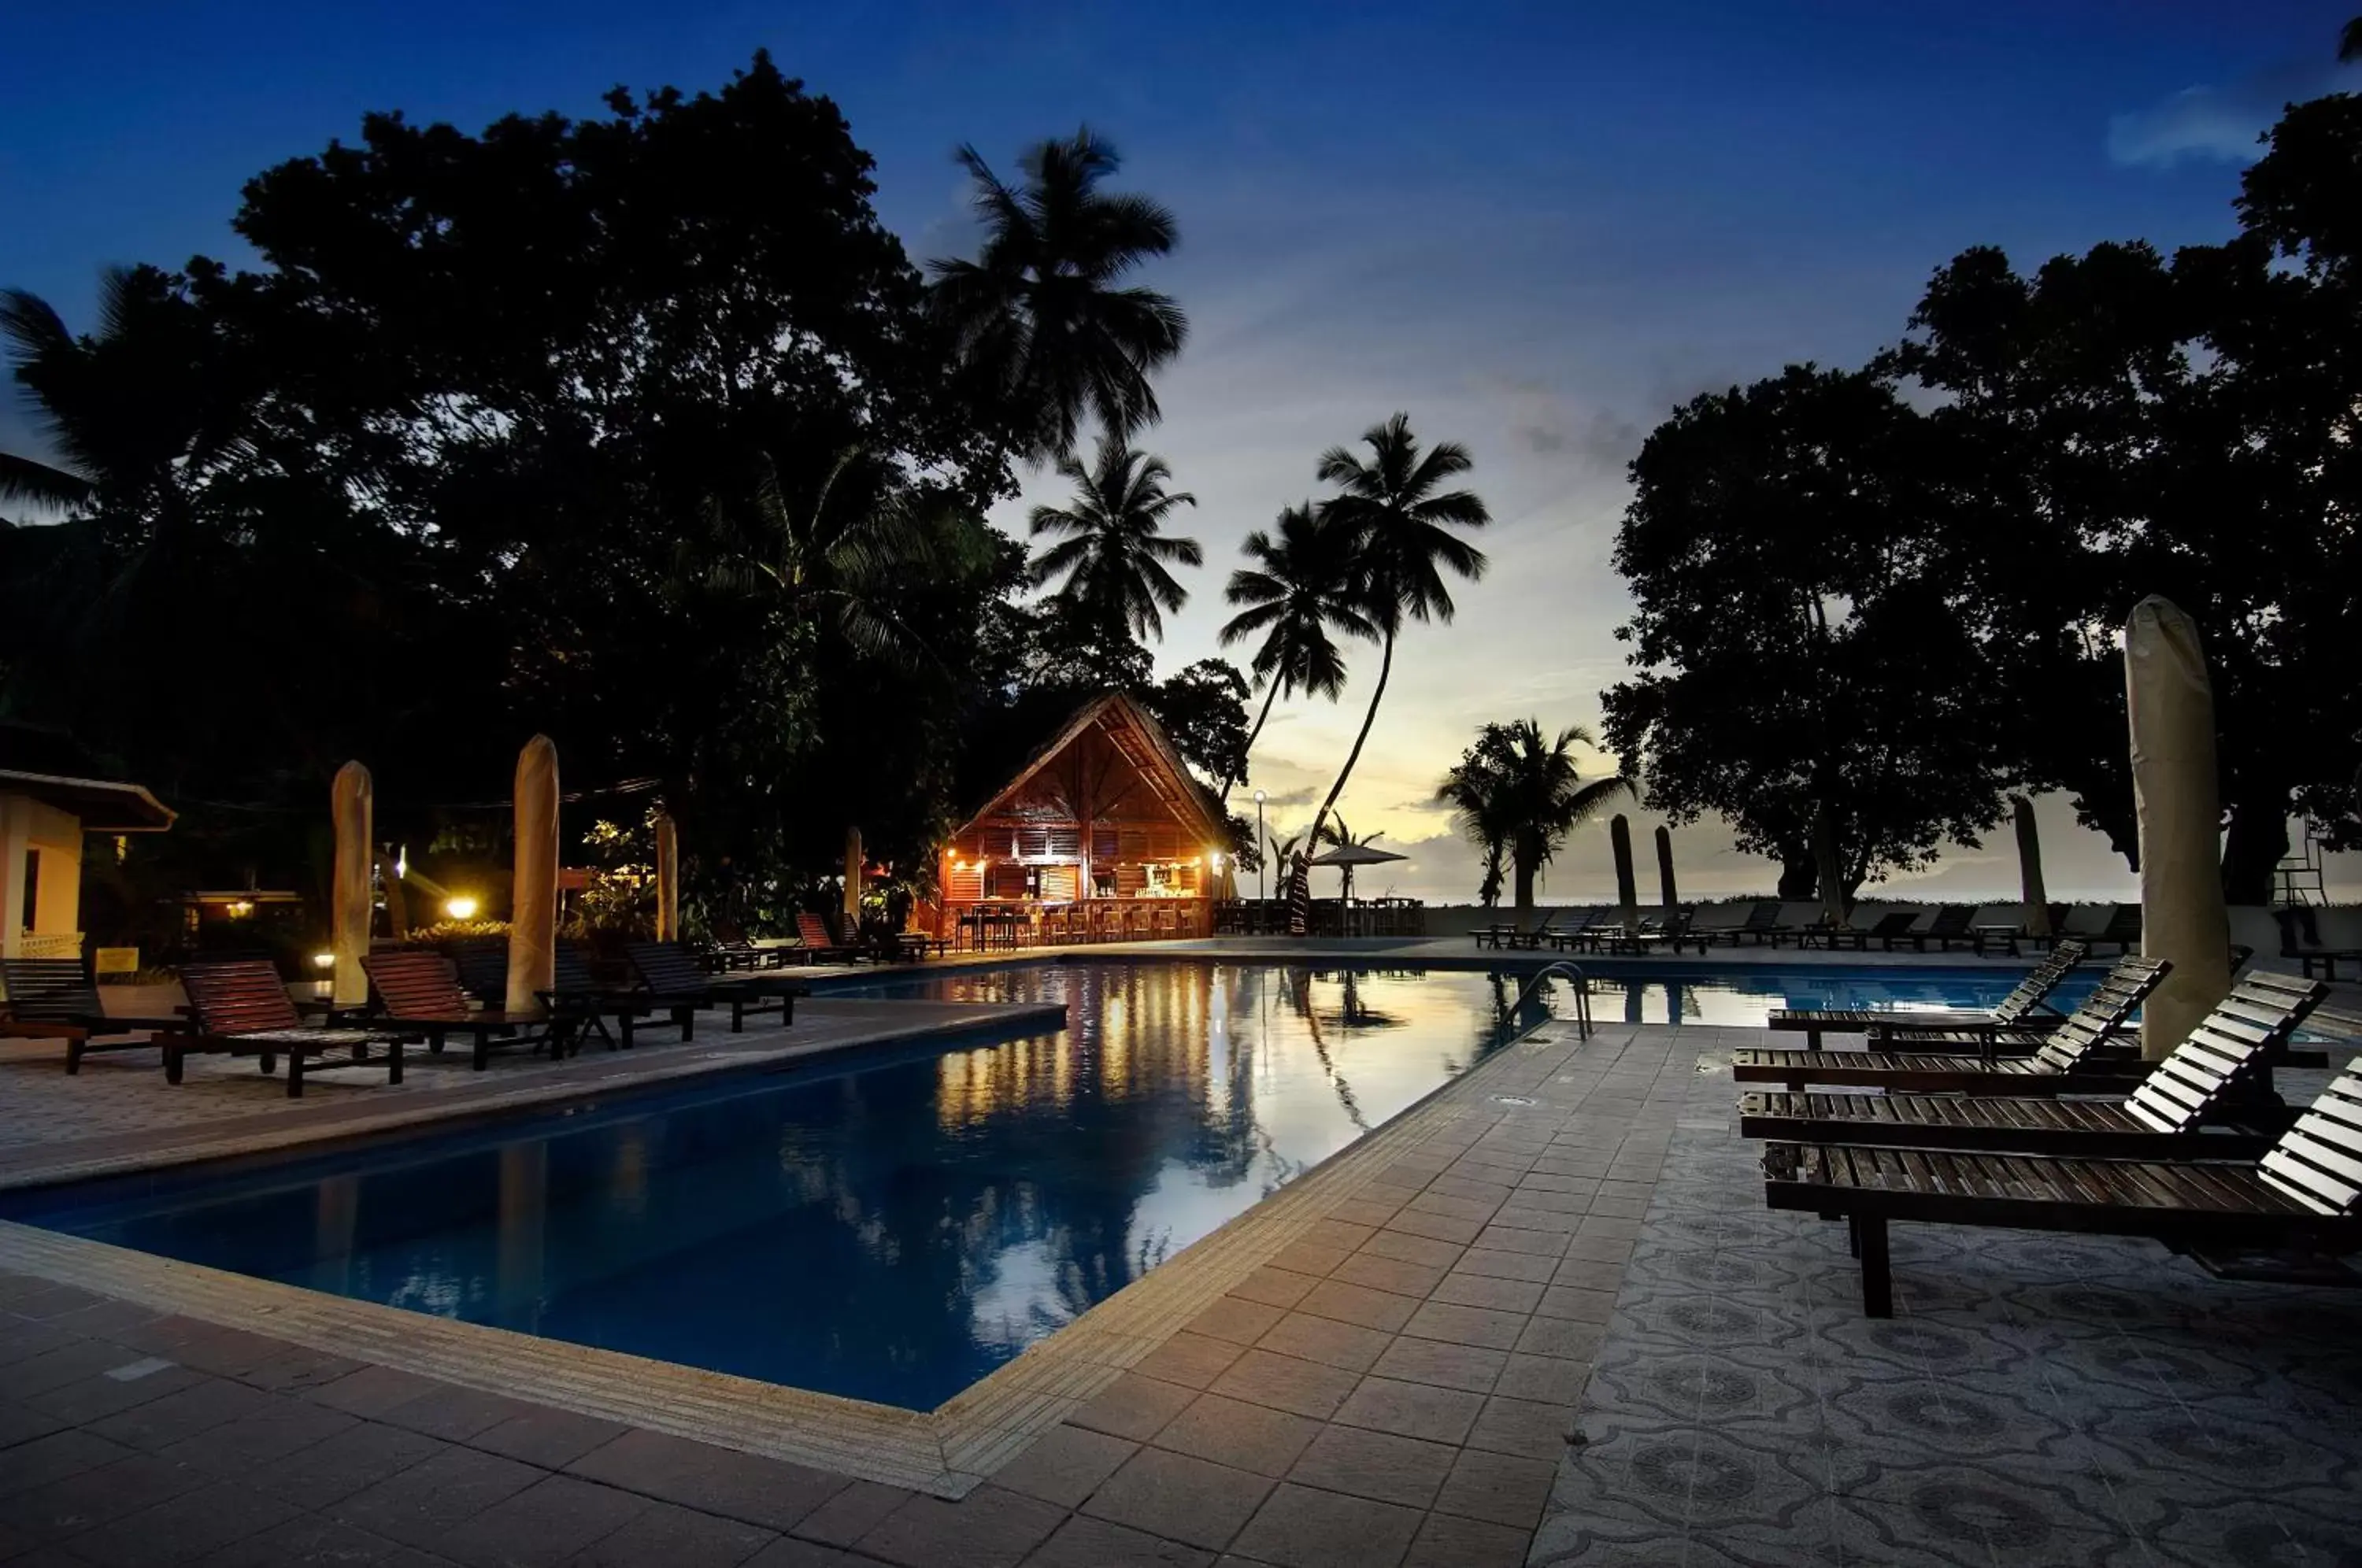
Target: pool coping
947	1452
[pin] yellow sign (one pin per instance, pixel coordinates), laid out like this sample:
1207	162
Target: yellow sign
115	961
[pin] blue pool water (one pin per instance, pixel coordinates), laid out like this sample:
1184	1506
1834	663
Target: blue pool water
890	1227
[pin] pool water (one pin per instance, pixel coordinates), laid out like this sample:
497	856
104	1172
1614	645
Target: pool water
892	1227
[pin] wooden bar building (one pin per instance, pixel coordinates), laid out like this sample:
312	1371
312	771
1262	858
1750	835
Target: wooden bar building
1103	836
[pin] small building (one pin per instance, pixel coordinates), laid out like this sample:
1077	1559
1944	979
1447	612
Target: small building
1103	836
43	817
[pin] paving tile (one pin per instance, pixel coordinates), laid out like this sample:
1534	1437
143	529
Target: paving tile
1502	1488
307	1540
455	1414
1529	1428
551	1439
274	1428
297	1367
547	1522
233	1352
1435	1227
183	1529
1389	1273
1408	1248
1432	1201
1469	1367
1287	1382
1095	1543
55	1455
193	1407
425	1502
1135	1406
1380	1465
1314	1258
1494	1193
23	1381
372	1391
1301	1527
1230	1431
1600	1249
1551	1201
24	1338
1180	1498
127	1387
1365	1210
1064	1465
768	1491
18	1424
1446	1540
1509	1239
73	1503
1191	1360
1236	1320
1465	1325
1379	1309
1274	1287
853	1513
1411	1409
1581	1306
1562	1336
665	1535
1476	1290
1518	1216
789	1553
1326	1340
362	1455
1486	1263
1589	1273
1338	1234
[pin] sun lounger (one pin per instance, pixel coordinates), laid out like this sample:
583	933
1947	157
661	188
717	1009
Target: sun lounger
813	937
243	1008
52	999
2220	1073
2301	940
1761	925
672	979
1673	930
2304	1196
1891	928
2073	1059
2026	1006
577	1000
2122	932
420	990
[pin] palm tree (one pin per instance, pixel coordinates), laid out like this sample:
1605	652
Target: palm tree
1400	523
1039	312
843	554
1515	791
1301	587
1113	556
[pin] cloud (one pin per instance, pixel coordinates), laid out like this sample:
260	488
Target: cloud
2222	122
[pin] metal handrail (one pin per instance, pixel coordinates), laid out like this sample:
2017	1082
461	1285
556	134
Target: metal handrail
1582	992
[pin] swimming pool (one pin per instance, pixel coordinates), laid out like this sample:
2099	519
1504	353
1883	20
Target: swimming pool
888	1228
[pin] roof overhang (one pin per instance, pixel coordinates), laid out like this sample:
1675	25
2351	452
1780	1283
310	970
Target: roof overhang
102	805
1135	732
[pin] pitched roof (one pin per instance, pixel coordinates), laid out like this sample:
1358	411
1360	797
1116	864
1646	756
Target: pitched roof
103	805
1135	733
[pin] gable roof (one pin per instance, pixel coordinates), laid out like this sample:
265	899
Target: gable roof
1135	733
102	805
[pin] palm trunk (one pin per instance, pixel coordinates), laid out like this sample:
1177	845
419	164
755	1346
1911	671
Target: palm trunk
1248	750
1385	665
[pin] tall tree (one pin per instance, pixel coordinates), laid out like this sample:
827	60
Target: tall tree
1399	521
1041	316
1302	587
1518	791
1806	656
1113	551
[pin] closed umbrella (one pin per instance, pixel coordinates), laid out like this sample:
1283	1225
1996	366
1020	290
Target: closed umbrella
1665	876
1628	896
2179	802
668	879
532	896
852	862
2035	917
352	807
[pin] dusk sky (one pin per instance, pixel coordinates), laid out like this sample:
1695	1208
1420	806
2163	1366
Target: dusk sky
1535	229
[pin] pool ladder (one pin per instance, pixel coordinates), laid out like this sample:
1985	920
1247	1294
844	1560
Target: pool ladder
1582	992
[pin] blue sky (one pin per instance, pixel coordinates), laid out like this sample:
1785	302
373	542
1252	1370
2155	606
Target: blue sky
1535	228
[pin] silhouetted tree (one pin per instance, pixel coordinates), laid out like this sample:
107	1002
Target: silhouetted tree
1518	792
1112	553
1302	587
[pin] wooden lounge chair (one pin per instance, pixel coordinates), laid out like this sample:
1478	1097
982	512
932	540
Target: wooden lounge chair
814	935
1892	927
578	1004
1546	929
2301	940
1761	925
733	949
2220	1073
1673	930
420	990
52	999
1585	931
2123	931
2304	1196
242	1008
2027	1006
2074	1059
672	979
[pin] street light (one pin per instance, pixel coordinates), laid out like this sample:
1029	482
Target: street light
1259	849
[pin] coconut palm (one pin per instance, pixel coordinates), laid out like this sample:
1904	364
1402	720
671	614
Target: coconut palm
1518	791
1113	556
1040	312
1399	521
1301	587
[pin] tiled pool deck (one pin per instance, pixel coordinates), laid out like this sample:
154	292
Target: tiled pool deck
1394	1384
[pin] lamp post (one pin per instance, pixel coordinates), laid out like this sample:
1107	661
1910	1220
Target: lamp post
1259	852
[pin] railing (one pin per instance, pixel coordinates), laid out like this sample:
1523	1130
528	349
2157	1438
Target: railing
1582	992
48	944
